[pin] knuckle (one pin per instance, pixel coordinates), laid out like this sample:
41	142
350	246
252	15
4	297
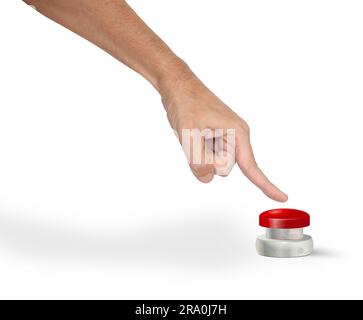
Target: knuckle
201	170
245	127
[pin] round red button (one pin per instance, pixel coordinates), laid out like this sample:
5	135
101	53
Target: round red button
284	219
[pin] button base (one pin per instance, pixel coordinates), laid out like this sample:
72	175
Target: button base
284	248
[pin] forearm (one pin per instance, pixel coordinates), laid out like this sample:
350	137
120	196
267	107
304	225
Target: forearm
115	27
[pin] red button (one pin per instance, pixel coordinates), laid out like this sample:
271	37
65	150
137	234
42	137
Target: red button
284	219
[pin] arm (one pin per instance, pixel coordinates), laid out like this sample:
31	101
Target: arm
115	27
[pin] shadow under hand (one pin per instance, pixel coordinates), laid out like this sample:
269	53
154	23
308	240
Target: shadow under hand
207	242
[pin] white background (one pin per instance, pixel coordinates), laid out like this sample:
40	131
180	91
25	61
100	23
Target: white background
96	199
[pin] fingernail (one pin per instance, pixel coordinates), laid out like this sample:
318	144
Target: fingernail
284	197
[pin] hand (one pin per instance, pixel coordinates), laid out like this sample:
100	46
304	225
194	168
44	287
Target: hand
117	29
191	105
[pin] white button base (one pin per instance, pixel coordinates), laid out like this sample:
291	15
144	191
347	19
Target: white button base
284	248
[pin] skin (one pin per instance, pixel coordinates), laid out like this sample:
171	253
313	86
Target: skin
116	28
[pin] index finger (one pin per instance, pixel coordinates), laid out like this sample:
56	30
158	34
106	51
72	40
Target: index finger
247	163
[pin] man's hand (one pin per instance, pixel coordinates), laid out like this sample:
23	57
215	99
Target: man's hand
191	105
116	28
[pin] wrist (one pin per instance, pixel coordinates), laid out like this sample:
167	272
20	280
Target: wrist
173	77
